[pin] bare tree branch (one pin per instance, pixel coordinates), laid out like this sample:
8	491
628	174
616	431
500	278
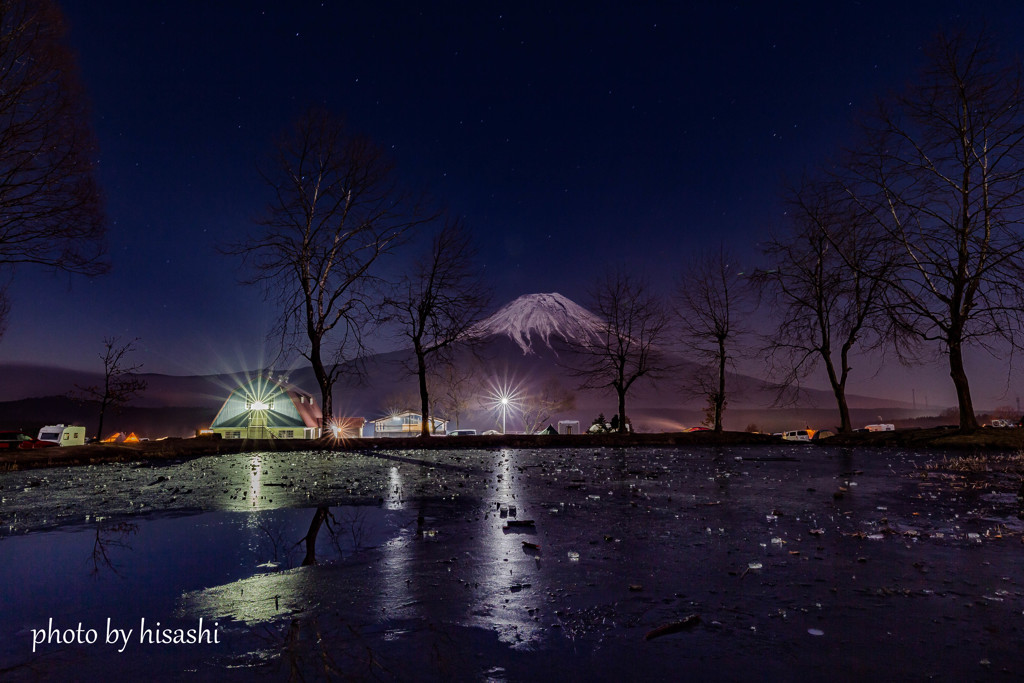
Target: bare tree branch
629	347
438	302
941	173
826	282
51	212
712	300
120	382
335	212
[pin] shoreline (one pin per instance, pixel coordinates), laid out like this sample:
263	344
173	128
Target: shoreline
180	448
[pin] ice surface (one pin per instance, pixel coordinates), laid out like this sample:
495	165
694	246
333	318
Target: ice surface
419	575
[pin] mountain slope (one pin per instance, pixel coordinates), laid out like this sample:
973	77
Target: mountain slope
541	317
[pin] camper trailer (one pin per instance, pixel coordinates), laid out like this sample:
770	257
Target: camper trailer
63	435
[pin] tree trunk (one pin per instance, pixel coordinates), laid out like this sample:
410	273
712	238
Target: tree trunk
968	420
838	389
326	393
421	368
720	394
622	408
103	410
845	426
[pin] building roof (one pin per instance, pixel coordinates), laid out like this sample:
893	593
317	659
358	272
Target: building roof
283	405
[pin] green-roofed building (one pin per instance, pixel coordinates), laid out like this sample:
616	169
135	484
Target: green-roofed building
264	408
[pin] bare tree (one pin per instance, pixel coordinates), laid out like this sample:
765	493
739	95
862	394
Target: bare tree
120	383
437	302
455	385
628	347
540	405
335	212
51	212
825	280
712	298
942	175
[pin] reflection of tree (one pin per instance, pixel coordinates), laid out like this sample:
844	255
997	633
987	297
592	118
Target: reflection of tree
109	537
312	651
349	524
353	524
275	544
319	517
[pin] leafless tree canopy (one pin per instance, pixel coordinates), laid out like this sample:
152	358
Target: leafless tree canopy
455	387
630	348
941	175
825	281
712	299
437	303
541	404
120	381
335	211
50	204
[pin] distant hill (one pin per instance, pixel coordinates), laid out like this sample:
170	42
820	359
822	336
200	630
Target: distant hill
525	344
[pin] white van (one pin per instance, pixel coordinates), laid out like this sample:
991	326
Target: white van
881	428
797	435
63	435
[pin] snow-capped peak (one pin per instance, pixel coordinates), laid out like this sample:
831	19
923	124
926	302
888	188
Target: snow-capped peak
544	316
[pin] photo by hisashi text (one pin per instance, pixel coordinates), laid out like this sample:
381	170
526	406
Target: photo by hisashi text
152	634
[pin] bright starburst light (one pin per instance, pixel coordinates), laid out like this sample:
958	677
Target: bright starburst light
506	397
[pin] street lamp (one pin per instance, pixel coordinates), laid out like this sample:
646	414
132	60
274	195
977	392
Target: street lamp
504	396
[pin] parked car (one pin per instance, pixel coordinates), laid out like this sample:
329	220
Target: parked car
18	440
462	432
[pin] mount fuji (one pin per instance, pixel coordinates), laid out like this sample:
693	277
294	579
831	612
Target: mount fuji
544	317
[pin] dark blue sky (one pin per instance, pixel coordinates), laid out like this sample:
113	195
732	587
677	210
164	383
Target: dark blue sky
568	135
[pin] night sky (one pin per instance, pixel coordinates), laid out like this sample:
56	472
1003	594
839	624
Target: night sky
568	136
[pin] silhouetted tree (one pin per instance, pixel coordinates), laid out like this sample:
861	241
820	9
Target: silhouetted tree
540	405
629	342
712	300
941	173
335	212
825	280
456	385
437	303
51	211
120	383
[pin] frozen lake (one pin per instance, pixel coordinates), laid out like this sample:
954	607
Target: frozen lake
751	563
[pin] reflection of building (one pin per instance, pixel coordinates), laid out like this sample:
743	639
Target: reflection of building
406	424
263	408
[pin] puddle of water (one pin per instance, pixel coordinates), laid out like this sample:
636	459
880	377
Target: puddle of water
168	570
